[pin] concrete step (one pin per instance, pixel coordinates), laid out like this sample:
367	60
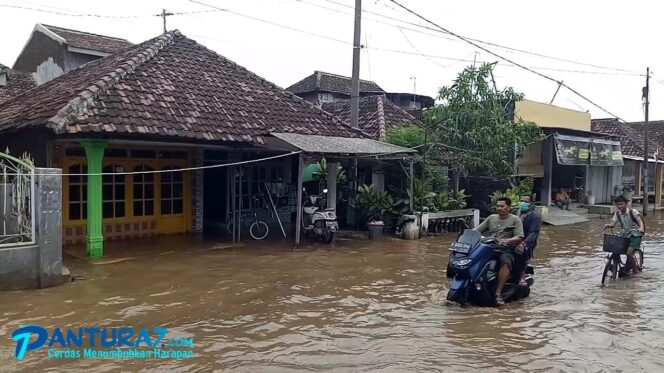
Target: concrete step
556	217
579	211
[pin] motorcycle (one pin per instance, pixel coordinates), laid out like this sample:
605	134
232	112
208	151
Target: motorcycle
322	223
473	269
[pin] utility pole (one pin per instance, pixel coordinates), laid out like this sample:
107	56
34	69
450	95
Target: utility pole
355	102
414	79
355	80
163	15
646	100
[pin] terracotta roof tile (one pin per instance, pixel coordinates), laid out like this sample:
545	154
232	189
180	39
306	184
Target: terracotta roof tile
86	40
17	83
169	85
631	136
326	82
377	114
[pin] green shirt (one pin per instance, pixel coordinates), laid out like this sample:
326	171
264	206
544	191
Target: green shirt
493	227
626	223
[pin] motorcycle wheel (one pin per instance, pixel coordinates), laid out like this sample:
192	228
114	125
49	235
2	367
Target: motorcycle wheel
328	237
259	230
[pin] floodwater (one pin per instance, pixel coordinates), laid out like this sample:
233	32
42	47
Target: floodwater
356	306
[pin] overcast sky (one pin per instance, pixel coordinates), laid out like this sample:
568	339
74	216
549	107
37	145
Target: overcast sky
615	34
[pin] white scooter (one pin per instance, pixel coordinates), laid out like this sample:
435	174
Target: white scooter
322	223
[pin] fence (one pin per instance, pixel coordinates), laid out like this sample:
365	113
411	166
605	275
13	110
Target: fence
452	221
17	201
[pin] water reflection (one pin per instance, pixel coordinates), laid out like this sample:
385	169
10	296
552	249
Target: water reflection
358	306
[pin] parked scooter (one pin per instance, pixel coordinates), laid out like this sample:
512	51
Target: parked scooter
322	223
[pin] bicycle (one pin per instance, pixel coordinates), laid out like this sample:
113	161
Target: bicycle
258	229
579	191
617	246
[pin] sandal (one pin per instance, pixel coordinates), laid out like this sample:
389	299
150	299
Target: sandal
499	301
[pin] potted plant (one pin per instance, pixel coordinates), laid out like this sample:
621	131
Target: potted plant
374	207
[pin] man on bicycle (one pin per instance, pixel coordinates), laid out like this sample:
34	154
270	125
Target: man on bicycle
632	226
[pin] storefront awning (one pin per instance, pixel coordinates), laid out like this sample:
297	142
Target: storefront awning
587	151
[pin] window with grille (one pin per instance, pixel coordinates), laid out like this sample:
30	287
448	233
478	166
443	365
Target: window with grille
143	191
78	192
172	192
113	192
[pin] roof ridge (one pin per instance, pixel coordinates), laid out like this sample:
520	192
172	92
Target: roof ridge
343	76
82	32
82	101
382	131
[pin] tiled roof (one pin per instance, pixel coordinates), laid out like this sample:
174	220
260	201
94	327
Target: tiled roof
631	140
17	83
85	40
168	86
326	82
377	114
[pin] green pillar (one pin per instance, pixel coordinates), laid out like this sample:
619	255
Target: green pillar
94	150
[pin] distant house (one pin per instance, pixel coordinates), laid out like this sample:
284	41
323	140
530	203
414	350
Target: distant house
321	87
13	83
633	144
52	51
377	114
412	103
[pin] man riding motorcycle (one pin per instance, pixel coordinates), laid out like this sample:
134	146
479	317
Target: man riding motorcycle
495	226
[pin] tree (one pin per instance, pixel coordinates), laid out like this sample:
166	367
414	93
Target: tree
477	131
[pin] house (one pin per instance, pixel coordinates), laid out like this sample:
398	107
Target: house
377	114
13	82
571	157
124	128
632	143
52	51
321	87
412	103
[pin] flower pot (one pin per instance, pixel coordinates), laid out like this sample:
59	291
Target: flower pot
375	230
590	200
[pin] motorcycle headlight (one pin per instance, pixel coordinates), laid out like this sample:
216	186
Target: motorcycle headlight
462	262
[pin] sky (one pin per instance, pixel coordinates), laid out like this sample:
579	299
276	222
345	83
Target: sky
610	42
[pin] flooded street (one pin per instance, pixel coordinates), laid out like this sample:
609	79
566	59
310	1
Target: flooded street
358	306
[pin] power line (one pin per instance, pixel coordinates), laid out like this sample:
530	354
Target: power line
504	58
272	23
93	15
536	54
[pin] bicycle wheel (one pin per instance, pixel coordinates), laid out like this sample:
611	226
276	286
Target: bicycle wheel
610	271
259	230
638	256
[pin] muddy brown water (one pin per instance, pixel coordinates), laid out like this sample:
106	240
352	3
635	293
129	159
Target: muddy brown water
356	306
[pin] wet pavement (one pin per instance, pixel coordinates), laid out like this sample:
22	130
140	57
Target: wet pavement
355	306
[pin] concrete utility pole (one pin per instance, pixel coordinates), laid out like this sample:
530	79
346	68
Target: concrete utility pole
646	100
355	80
355	102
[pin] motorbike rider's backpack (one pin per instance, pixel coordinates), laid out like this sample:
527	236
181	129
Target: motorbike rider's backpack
631	215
